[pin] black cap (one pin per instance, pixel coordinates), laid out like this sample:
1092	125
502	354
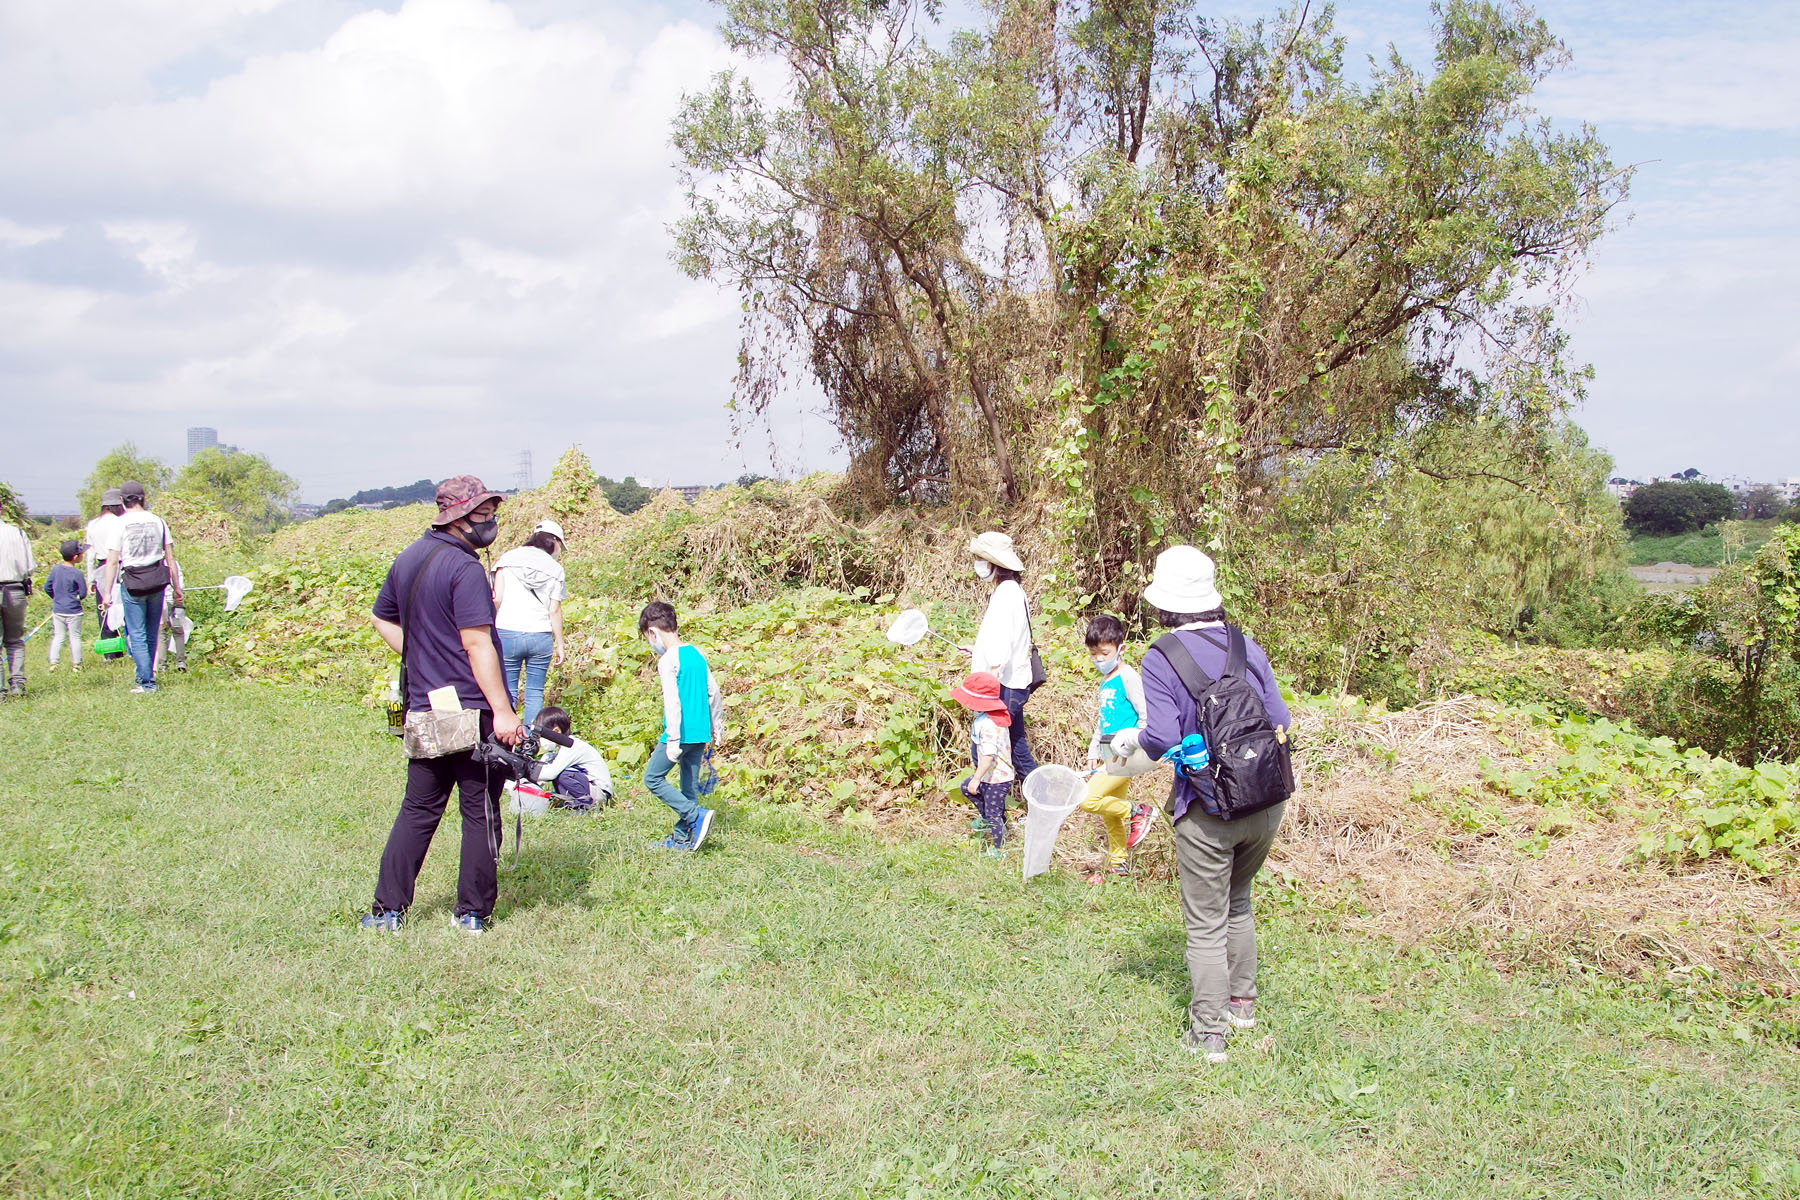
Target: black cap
71	548
131	489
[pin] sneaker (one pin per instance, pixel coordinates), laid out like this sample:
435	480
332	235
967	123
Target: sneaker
473	924
181	665
994	852
1212	1045
701	827
381	922
1241	1013
76	669
979	825
675	842
1142	817
139	690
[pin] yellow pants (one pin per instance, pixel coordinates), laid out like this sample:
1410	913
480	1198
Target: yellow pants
1106	796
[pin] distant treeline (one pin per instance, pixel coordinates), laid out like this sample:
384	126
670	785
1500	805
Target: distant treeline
420	491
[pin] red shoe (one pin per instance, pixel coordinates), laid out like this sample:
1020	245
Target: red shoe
1142	817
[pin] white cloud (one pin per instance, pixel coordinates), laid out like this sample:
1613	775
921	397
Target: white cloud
1697	81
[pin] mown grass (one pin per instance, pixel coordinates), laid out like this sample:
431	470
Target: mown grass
799	1010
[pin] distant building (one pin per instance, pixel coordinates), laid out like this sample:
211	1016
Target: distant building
201	437
690	492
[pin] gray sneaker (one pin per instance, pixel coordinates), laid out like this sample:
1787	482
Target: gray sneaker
1241	1014
1210	1044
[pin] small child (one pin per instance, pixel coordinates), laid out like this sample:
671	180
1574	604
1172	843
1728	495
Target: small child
693	717
1121	707
577	771
67	587
173	636
990	749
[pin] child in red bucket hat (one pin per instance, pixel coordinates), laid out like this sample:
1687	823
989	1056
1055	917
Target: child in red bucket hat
990	748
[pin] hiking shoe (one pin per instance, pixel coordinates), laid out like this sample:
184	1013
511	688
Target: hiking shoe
701	827
994	852
1212	1045
1241	1013
381	922
1142	817
473	924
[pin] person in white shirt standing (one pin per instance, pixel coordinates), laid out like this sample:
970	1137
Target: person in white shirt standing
529	590
1003	645
140	558
98	537
17	564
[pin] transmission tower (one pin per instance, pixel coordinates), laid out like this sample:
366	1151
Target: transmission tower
523	478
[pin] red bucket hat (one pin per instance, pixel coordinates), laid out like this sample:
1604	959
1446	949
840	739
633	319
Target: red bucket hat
980	692
460	495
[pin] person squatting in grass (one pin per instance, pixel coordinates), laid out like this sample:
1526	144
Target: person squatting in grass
1217	859
67	587
1003	644
436	611
140	559
1120	707
17	564
990	750
529	590
577	772
693	717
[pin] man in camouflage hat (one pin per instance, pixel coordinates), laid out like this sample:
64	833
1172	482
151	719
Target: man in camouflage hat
437	612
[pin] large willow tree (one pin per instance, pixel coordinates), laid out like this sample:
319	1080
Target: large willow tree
1151	271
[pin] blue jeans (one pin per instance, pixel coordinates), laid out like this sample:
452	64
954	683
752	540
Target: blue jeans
143	618
656	777
1023	763
533	651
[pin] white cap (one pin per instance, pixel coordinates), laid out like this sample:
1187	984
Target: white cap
997	548
551	528
1183	582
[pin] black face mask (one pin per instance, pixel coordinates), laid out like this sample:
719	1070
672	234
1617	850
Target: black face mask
483	533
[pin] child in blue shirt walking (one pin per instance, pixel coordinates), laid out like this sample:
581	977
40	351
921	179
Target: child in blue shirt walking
67	588
693	718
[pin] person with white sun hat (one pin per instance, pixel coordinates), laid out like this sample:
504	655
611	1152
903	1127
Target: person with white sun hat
1004	646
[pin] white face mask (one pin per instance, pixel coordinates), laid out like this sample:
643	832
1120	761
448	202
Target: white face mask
984	569
1106	666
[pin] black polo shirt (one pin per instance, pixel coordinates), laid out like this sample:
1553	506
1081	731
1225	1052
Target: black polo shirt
452	595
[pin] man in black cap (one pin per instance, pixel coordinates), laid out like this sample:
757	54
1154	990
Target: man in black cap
140	559
436	609
16	566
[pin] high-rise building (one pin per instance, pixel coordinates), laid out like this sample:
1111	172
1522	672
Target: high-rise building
201	437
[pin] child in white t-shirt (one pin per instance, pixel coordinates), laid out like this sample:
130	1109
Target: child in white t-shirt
577	772
990	749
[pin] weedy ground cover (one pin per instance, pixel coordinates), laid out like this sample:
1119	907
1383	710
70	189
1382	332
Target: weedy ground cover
804	1009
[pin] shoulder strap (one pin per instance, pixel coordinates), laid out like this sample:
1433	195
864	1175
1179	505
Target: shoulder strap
1237	653
1195	680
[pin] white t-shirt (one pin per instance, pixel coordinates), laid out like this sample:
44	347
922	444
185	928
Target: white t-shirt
1003	645
99	537
533	582
139	538
989	738
579	755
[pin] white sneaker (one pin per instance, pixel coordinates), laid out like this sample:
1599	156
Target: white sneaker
139	690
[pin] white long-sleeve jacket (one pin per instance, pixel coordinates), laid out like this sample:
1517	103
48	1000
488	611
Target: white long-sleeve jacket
1003	644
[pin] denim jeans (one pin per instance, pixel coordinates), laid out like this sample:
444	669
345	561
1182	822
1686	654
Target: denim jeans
143	620
1023	763
656	777
533	651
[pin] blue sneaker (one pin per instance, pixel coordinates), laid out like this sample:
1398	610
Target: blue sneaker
381	922
676	842
702	825
472	924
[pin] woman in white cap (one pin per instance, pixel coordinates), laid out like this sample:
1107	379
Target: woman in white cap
1003	645
529	590
1217	859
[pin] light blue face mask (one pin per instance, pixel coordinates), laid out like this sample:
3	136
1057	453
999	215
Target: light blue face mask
661	647
1106	666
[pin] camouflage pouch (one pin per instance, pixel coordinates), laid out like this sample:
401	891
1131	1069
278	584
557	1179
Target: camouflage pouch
435	734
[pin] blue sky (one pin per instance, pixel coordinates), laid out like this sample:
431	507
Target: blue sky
380	242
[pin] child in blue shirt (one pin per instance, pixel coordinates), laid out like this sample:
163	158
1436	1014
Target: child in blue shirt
67	588
693	718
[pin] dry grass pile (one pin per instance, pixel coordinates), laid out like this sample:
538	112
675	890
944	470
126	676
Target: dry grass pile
193	520
1393	816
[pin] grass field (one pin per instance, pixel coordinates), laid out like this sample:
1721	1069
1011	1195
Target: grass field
1703	549
799	1010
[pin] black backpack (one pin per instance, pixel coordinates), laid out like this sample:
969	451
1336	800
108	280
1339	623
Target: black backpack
1251	765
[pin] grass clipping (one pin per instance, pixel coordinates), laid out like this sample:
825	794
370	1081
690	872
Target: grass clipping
1392	816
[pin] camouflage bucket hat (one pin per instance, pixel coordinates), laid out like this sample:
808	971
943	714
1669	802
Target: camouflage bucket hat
460	495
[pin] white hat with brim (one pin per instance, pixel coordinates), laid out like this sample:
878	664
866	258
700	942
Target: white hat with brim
997	548
551	528
1184	582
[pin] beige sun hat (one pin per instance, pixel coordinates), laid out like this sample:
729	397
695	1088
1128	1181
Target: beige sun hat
1185	581
997	548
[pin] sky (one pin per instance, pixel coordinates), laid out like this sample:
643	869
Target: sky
381	242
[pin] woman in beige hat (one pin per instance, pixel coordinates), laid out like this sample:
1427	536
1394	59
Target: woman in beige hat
1003	645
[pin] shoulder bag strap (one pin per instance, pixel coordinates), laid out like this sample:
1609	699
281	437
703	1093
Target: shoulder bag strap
1195	680
406	609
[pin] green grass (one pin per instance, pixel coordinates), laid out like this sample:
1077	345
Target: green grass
1703	549
800	1010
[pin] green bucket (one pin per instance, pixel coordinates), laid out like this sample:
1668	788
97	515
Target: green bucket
111	645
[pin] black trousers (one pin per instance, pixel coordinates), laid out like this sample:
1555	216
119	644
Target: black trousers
12	634
428	784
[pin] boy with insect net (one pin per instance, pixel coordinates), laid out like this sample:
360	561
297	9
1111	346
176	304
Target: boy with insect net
693	717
